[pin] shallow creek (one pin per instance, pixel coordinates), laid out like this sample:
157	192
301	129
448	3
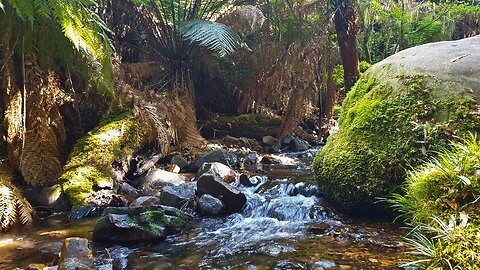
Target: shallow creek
285	225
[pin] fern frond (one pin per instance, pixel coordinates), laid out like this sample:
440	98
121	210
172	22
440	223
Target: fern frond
212	35
13	206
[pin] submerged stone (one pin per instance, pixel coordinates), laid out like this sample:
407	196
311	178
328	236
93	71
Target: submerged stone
122	224
208	205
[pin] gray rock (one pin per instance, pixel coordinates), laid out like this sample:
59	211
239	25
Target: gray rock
288	139
324	265
208	205
298	145
251	159
226	173
233	199
75	255
122	224
289	265
179	161
217	155
178	196
271	141
145	201
159	178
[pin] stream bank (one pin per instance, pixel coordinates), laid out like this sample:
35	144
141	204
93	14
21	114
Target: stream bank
284	225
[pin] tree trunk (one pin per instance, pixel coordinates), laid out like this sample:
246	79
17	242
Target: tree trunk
346	28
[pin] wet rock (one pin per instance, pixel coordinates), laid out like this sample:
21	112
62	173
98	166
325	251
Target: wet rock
106	197
178	196
226	173
122	224
75	255
245	181
127	189
298	145
269	160
233	199
318	228
159	178
251	159
217	155
179	161
271	141
324	265
286	141
288	265
231	140
87	211
307	190
50	197
208	205
145	201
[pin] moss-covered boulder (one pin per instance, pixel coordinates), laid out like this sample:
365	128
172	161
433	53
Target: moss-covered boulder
246	125
399	112
90	163
137	224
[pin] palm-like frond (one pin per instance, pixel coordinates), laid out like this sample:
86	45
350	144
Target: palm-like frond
13	206
79	23
212	35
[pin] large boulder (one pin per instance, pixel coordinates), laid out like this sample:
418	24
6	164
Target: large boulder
148	223
231	196
401	111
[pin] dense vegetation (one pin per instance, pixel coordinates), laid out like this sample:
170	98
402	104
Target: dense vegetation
95	92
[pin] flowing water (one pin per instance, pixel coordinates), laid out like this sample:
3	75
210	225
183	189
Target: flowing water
285	225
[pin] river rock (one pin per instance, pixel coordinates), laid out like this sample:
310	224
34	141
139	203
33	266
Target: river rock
272	144
251	159
158	178
179	196
324	265
208	205
248	181
75	255
298	145
179	161
289	265
145	201
217	155
122	224
226	173
231	196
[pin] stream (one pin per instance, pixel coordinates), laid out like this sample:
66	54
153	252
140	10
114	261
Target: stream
285	225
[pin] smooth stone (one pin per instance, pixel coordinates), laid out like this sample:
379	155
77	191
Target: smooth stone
208	205
179	196
179	161
232	197
226	173
158	178
217	155
145	201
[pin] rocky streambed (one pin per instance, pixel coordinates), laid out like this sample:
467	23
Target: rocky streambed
272	217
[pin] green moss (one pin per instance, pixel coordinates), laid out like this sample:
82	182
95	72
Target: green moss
441	200
245	125
154	220
90	162
387	123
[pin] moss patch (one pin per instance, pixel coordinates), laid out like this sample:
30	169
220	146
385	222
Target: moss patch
245	125
90	162
389	121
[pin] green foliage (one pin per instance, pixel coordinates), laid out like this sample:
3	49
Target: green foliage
212	35
447	185
61	33
90	162
182	27
387	125
445	245
14	208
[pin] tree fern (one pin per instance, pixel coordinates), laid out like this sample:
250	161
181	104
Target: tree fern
85	30
212	35
14	208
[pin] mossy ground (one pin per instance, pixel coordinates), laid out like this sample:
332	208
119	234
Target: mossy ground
245	125
90	162
389	122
